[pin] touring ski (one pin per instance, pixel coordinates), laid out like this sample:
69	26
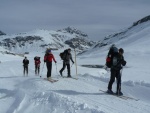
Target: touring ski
51	80
120	96
69	77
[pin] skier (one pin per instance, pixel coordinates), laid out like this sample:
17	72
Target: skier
25	65
66	61
117	64
48	59
37	64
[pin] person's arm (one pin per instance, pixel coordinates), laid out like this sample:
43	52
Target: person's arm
123	61
45	58
54	58
71	59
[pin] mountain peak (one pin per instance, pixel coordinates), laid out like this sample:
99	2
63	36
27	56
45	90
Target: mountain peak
72	30
145	19
2	33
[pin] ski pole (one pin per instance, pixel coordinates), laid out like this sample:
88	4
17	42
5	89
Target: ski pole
56	68
75	62
120	80
42	70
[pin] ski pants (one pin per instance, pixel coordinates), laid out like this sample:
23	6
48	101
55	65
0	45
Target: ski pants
25	69
37	69
115	74
68	67
49	68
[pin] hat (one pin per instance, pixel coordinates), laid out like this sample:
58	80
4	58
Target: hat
121	50
49	51
69	49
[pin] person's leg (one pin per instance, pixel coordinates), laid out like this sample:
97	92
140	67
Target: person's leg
112	79
38	70
68	68
118	82
64	66
27	70
49	69
35	69
24	70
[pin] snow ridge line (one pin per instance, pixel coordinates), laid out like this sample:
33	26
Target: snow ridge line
127	83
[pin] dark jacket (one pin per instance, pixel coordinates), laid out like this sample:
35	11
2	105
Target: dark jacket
25	62
119	63
67	57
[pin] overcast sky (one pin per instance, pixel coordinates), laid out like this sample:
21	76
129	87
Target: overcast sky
97	18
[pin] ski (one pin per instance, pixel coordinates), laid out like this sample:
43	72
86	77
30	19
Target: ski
69	77
120	96
51	80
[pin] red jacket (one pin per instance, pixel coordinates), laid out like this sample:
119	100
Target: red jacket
49	58
37	62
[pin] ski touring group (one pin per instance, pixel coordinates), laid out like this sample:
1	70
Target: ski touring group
114	60
66	56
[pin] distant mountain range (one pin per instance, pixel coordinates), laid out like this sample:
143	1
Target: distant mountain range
39	40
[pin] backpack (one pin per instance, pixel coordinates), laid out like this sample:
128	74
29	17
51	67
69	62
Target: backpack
63	55
115	61
110	57
37	60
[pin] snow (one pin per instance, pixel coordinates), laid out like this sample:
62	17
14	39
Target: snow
19	94
33	94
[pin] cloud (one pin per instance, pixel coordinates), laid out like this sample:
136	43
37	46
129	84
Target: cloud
94	17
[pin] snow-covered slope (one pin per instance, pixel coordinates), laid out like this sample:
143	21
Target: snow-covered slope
39	40
141	26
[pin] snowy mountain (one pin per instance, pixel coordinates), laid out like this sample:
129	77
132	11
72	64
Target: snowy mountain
2	33
139	26
39	40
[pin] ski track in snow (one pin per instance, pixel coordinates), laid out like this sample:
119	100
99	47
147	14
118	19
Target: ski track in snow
32	94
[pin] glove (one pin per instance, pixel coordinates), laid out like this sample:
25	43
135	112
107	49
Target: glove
124	63
44	60
73	62
55	61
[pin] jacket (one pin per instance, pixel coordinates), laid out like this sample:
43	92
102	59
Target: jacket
68	57
119	62
49	58
25	62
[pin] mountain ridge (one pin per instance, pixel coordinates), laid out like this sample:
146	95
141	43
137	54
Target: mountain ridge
42	39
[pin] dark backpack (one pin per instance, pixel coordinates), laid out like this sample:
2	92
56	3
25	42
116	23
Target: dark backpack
111	54
63	55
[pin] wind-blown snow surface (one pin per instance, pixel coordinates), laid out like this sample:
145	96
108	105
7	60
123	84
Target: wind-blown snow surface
32	94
